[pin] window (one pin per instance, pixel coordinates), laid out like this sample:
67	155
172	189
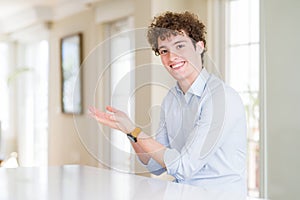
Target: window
121	63
4	94
121	81
24	101
242	73
32	103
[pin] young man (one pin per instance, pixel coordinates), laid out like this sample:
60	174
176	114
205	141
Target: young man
201	139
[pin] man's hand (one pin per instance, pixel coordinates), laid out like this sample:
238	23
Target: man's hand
115	119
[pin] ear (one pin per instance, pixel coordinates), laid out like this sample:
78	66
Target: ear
200	46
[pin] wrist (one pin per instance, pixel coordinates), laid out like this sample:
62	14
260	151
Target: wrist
143	135
132	136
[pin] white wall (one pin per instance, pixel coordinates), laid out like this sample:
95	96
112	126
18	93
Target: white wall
281	31
65	132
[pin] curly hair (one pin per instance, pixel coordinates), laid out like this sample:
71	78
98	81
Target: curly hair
169	23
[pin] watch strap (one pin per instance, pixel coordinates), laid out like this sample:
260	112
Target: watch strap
131	138
136	132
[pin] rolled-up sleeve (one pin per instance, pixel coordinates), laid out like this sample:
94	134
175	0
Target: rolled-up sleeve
172	161
154	167
182	165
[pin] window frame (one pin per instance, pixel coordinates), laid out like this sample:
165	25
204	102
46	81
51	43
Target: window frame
217	44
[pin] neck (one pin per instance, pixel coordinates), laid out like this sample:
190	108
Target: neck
185	84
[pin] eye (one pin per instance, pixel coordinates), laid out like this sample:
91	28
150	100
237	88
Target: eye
180	46
163	51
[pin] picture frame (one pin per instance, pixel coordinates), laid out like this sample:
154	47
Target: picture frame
71	75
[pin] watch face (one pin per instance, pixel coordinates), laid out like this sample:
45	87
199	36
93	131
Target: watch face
131	138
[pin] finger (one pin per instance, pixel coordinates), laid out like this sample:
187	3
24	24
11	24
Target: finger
111	109
109	123
98	114
104	118
112	117
92	109
104	115
90	114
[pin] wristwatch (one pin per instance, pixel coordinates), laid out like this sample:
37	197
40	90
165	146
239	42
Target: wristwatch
133	135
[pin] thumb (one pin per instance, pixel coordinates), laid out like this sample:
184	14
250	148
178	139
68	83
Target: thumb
111	109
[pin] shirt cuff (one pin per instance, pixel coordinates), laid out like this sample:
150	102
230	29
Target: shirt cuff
172	160
154	167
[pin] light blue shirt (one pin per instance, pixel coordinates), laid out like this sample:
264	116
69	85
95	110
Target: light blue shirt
204	131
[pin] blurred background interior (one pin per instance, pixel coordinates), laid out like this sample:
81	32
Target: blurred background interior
252	45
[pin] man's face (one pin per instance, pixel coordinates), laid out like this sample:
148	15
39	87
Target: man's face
180	57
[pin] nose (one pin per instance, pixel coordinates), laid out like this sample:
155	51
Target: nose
172	56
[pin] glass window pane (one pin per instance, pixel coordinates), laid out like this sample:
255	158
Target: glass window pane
4	94
239	22
253	70
239	65
121	60
244	67
254	21
243	74
251	103
253	169
32	117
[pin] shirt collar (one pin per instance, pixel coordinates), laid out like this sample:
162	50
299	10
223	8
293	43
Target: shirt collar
198	86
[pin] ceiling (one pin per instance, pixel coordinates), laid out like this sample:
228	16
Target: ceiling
17	14
12	7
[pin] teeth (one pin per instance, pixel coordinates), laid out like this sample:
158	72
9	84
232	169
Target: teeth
177	65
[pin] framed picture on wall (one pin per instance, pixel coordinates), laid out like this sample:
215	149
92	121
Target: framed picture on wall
71	75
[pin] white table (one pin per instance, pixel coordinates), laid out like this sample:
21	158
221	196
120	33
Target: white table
73	182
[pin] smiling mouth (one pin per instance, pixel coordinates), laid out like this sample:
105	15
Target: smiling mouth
177	65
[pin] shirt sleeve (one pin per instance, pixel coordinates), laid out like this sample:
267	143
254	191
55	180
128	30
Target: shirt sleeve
182	164
161	137
207	135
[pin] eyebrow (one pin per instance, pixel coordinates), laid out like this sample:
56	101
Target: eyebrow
177	42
